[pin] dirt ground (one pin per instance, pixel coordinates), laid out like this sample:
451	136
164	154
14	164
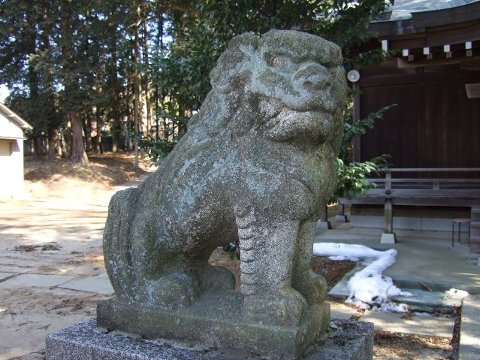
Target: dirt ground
56	228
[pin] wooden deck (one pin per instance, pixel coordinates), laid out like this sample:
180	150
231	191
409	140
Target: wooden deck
444	187
425	191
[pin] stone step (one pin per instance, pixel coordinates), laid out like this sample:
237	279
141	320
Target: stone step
421	300
428	301
470	331
418	323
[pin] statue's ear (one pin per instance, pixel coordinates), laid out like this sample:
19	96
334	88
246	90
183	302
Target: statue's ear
245	40
231	63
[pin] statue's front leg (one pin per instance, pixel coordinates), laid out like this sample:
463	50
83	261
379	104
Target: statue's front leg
311	285
266	261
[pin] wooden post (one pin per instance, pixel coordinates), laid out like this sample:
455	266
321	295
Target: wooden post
388	237
388	216
357	156
341	217
323	222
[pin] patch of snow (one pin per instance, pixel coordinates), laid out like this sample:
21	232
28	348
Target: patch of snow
343	258
333	325
392	307
348	250
422	314
456	294
368	288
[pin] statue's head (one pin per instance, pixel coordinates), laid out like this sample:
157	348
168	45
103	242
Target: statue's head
294	80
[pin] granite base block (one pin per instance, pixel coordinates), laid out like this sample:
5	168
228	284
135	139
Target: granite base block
346	340
216	320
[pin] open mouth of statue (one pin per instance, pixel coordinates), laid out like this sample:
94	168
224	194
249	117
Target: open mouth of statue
290	124
319	101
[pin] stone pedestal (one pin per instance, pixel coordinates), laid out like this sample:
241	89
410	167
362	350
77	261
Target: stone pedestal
346	340
323	225
216	320
388	238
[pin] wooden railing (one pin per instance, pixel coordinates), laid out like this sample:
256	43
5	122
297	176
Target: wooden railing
422	191
428	191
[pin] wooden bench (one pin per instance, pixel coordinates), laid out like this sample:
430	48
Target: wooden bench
421	191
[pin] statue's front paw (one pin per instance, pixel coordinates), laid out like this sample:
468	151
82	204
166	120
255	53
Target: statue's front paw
215	277
172	291
283	307
313	287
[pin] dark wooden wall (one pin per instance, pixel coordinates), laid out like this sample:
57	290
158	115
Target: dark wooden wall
433	125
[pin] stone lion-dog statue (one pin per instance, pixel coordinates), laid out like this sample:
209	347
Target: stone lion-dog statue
257	165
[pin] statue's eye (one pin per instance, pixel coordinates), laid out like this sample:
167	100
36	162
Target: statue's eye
282	63
277	62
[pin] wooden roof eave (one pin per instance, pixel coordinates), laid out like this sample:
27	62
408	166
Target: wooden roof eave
12	138
9	114
421	21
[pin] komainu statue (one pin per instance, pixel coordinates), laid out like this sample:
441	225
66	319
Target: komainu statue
257	165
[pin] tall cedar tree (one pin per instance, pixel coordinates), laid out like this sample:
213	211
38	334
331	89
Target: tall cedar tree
81	61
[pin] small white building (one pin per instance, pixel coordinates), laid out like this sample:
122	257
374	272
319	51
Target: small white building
11	152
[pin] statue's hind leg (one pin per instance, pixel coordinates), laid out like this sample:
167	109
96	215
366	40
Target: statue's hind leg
117	244
162	279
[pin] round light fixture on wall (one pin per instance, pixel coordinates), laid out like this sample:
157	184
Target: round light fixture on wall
353	76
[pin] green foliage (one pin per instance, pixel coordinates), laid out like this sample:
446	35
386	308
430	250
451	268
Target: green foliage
346	21
367	58
233	250
156	149
360	127
352	179
201	33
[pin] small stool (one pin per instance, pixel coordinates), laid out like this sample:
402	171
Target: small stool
459	221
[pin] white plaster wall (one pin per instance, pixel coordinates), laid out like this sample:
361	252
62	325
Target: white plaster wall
11	165
11	159
9	129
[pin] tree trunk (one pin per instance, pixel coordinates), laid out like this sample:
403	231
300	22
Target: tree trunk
181	126
160	47
79	156
71	81
146	78
98	130
37	148
87	130
136	84
157	120
66	142
54	146
166	129
128	119
116	111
